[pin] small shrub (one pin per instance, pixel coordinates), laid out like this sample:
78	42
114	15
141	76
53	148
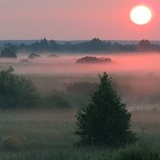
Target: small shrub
138	152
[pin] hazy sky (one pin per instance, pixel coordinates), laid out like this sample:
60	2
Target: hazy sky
76	19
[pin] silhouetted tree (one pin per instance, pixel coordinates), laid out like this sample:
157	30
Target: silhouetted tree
16	91
145	45
53	45
44	44
105	120
23	47
8	53
117	47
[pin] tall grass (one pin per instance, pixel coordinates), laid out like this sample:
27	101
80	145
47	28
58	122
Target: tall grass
48	135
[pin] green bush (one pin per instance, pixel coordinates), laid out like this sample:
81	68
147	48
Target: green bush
138	152
105	120
8	53
16	91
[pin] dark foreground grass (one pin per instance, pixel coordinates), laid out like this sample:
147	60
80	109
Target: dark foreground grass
48	135
42	135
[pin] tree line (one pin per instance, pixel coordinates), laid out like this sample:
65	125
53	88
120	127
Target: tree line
94	45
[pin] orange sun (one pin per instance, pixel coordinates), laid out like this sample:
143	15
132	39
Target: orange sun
141	15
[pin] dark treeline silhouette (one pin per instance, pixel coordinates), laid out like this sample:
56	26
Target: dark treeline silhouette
94	45
8	53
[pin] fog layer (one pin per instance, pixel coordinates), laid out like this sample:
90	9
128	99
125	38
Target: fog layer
66	64
136	76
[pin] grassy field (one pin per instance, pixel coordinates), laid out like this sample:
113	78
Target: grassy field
48	135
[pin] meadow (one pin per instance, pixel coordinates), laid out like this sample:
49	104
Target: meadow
48	135
47	132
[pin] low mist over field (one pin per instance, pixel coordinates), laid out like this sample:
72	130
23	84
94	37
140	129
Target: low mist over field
136	76
130	63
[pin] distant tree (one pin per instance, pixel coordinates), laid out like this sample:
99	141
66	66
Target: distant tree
129	48
91	59
105	120
35	47
145	45
53	45
108	46
8	53
44	44
23	47
94	45
40	46
11	46
97	45
117	47
33	55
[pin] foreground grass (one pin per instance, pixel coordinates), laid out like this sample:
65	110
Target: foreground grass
48	135
41	135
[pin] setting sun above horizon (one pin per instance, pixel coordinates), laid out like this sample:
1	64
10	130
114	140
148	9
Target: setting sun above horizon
80	19
140	15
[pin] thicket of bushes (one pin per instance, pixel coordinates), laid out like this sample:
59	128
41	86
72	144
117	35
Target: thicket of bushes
137	151
16	91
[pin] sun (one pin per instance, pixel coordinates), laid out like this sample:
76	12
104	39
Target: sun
141	15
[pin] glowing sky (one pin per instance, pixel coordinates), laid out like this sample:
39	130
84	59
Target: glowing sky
75	19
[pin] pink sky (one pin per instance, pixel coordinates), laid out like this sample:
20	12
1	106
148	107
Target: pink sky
76	20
